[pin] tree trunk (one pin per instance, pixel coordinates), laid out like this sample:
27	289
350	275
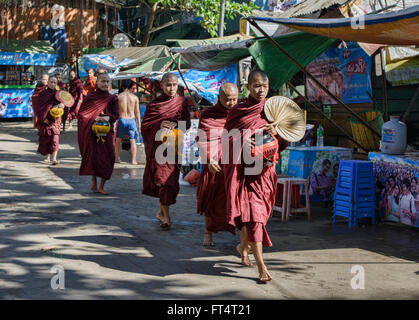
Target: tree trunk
150	20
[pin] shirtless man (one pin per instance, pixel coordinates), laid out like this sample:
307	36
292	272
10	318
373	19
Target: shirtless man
129	120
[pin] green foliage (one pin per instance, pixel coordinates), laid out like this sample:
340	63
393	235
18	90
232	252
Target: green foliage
208	10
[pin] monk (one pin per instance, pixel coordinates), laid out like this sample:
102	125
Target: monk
76	89
250	198
98	157
90	83
210	193
40	87
48	127
60	84
162	180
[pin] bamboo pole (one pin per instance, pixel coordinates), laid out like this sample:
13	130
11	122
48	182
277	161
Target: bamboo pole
187	88
312	77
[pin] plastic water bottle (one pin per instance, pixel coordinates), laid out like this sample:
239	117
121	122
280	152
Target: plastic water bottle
320	135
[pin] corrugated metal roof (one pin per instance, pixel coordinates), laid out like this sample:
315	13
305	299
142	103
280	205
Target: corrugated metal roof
301	9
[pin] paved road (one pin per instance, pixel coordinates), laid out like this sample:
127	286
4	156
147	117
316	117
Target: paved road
111	247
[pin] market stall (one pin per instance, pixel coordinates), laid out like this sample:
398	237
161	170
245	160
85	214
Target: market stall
318	164
21	63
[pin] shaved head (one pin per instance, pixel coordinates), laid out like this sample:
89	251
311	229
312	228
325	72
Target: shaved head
254	73
228	88
168	76
228	95
102	74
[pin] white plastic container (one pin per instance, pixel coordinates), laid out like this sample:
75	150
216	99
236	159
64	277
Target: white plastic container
393	136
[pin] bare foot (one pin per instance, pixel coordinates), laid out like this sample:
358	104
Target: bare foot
101	191
93	187
165	224
208	239
118	161
159	216
135	163
46	161
264	275
55	162
244	255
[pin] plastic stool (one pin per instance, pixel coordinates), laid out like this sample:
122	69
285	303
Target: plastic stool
281	207
286	208
298	181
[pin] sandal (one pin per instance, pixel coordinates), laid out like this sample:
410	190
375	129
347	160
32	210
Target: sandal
54	163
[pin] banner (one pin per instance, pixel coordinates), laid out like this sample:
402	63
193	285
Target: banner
345	72
26	59
208	83
16	103
95	61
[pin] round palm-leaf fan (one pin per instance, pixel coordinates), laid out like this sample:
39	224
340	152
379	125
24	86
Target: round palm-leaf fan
65	98
287	118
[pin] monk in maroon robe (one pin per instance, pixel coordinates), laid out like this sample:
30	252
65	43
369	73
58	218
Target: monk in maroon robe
48	126
162	180
75	87
90	83
41	86
98	156
250	198
211	196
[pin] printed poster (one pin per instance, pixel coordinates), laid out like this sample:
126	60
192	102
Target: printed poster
345	72
16	103
208	83
396	187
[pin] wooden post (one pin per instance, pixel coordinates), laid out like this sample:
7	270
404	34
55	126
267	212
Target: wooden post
384	83
187	88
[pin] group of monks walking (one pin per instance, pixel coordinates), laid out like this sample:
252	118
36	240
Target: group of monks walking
228	198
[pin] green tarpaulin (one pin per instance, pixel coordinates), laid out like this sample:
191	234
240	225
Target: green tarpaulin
303	47
26	46
154	65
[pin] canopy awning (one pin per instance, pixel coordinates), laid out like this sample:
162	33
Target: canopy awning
394	28
134	56
26	53
267	57
213	55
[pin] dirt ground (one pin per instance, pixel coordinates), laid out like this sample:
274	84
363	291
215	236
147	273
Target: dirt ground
111	247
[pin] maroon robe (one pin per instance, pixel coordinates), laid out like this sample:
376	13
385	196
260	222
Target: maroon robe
76	90
98	158
35	95
48	133
210	194
250	198
166	175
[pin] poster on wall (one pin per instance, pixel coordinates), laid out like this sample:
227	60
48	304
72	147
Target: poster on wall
16	103
396	187
345	72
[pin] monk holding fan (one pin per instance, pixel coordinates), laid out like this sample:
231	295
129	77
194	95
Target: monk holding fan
250	198
48	112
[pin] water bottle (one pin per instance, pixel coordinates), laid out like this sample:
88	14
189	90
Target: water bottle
320	135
